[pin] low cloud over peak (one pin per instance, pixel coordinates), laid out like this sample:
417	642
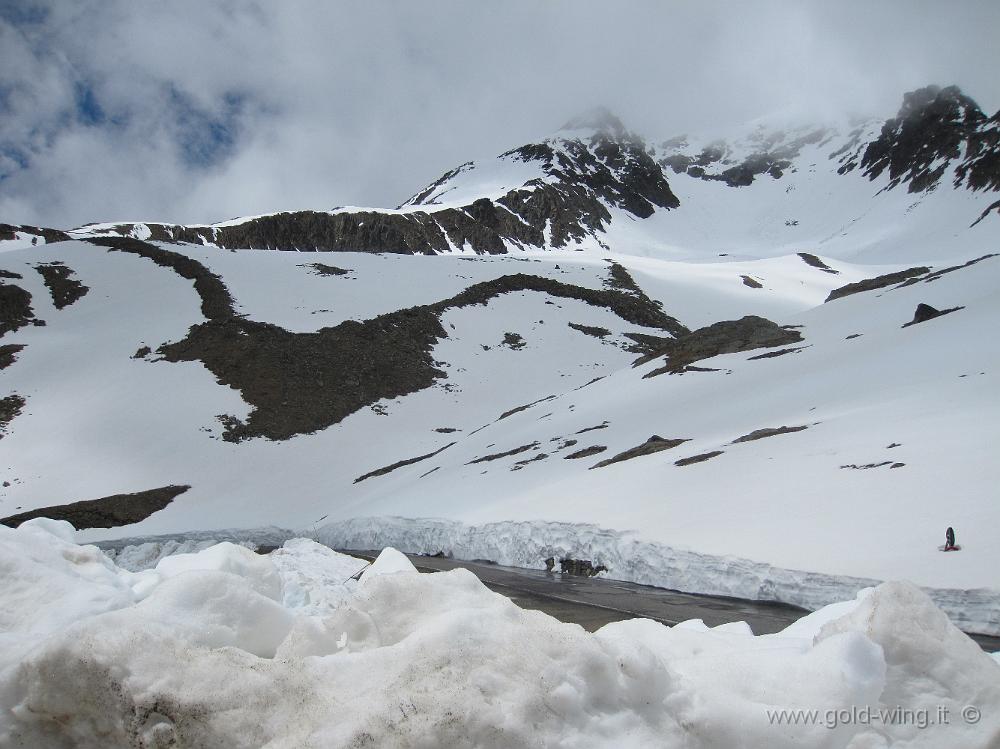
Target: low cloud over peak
190	112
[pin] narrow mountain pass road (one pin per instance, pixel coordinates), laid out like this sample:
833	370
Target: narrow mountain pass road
590	602
593	602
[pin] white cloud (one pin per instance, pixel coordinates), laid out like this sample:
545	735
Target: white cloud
323	104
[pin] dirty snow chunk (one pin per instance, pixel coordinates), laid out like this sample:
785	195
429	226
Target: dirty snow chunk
47	582
207	659
387	563
257	570
314	579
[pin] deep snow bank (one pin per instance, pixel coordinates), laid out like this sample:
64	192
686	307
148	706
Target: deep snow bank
226	648
143	552
627	557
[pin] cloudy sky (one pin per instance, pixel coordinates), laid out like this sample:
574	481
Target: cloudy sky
199	111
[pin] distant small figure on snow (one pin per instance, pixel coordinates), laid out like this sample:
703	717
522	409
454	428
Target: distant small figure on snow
949	540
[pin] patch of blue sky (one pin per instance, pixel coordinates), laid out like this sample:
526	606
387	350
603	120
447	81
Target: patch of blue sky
88	109
23	13
206	138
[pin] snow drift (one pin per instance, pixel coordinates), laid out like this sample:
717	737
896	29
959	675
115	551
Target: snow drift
630	557
225	648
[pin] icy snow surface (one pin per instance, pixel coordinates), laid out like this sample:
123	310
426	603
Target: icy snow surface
900	423
784	503
224	648
528	543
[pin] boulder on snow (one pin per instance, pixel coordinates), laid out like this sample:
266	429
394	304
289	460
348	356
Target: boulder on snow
925	312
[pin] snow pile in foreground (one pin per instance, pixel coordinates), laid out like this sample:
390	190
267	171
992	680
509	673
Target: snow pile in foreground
228	648
628	557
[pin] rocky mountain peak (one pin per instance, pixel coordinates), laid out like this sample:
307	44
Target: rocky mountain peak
935	102
566	189
934	127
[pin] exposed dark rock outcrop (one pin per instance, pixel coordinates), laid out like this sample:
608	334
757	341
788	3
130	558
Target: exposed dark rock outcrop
216	301
944	271
779	352
322	269
591	330
934	127
869	466
504	454
726	337
879	282
581	179
513	341
8	354
637	309
759	434
586	452
753	283
15	308
534	459
619	278
925	312
49	235
771	153
654	444
400	464
64	289
303	382
10	407
816	262
424	196
993	207
610	166
106	512
700	458
525	407
647	345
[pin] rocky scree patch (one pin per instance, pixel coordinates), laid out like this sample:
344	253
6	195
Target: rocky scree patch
654	444
64	289
106	512
726	337
10	407
303	382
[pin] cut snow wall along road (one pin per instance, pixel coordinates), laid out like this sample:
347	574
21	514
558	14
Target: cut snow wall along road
627	557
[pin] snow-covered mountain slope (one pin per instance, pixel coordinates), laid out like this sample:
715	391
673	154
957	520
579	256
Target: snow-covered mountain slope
491	389
918	186
690	361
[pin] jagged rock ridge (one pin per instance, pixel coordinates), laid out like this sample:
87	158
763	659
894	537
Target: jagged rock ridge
568	189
